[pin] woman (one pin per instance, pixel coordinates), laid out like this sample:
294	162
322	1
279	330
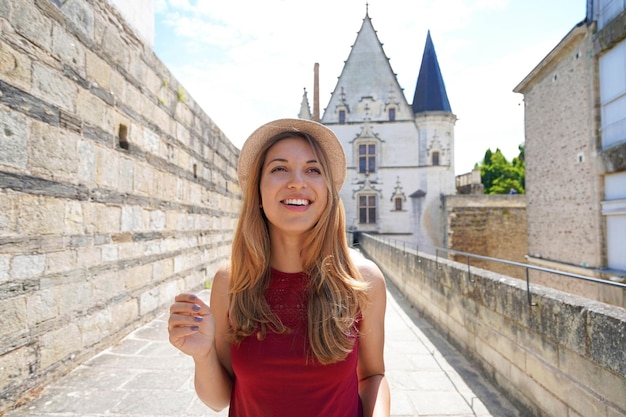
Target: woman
295	325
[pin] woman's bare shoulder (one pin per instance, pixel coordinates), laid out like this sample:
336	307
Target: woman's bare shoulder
222	276
368	269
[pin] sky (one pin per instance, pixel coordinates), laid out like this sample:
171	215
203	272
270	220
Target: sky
247	62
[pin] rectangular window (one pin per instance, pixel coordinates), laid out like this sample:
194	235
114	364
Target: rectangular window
398	203
367	209
436	158
392	114
613	95
367	158
342	116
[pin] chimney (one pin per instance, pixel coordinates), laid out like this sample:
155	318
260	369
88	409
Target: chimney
316	92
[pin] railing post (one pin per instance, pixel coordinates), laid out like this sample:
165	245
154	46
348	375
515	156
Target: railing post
530	301
469	273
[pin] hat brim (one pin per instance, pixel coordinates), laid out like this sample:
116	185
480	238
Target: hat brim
325	138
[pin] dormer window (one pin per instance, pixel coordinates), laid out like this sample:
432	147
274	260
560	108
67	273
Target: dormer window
342	117
392	114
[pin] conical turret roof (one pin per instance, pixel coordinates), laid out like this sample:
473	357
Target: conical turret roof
430	90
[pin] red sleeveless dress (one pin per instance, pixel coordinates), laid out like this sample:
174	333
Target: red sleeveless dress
273	377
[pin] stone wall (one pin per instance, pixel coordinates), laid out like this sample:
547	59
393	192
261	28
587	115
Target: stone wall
563	356
564	190
116	190
488	225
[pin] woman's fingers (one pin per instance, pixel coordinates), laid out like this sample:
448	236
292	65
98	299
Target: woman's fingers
189	304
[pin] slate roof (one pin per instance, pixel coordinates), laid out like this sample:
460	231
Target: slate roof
430	90
367	73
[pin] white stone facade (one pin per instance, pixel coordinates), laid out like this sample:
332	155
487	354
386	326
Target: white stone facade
399	163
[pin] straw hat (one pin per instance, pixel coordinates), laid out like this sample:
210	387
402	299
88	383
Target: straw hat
324	137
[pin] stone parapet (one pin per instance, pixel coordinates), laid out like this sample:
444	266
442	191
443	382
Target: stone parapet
562	355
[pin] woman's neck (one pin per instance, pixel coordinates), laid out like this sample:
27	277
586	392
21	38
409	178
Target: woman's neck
285	253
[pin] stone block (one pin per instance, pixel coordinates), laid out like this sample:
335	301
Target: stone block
123	313
143	179
13	316
5	263
41	216
103	218
107	285
493	358
53	153
61	261
607	336
29	22
68	49
109	253
42	306
59	344
107	167
27	266
8	212
51	84
88	257
81	17
87	167
541	397
90	108
95	327
15	67
97	70
132	219
14	139
138	277
17	365
126	175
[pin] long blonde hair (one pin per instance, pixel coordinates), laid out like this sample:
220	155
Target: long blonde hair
337	292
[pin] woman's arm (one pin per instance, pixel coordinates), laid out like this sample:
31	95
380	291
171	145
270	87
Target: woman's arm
201	332
373	386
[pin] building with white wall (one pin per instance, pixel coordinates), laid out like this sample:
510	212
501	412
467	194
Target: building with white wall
400	155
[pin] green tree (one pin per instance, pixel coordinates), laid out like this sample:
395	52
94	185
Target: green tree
499	176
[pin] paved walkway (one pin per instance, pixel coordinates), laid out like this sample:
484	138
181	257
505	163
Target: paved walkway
144	376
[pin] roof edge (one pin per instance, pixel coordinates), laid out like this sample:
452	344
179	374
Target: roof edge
547	63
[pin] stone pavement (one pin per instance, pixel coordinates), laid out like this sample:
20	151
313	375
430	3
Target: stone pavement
144	376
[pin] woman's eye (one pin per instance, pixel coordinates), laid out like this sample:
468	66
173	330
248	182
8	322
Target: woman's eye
278	169
315	170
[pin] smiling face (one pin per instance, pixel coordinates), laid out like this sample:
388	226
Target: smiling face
293	190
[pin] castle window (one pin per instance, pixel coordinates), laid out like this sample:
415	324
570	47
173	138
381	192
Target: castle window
398	203
435	158
392	114
342	116
367	209
367	158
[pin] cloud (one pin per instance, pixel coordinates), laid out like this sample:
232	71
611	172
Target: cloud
246	62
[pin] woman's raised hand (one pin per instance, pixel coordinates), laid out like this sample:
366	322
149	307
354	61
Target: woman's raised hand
191	325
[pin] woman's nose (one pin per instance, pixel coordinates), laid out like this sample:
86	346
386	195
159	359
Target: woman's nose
296	180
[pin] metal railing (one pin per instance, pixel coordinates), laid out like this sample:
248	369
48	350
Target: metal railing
526	267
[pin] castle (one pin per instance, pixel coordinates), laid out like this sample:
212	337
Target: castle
400	155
